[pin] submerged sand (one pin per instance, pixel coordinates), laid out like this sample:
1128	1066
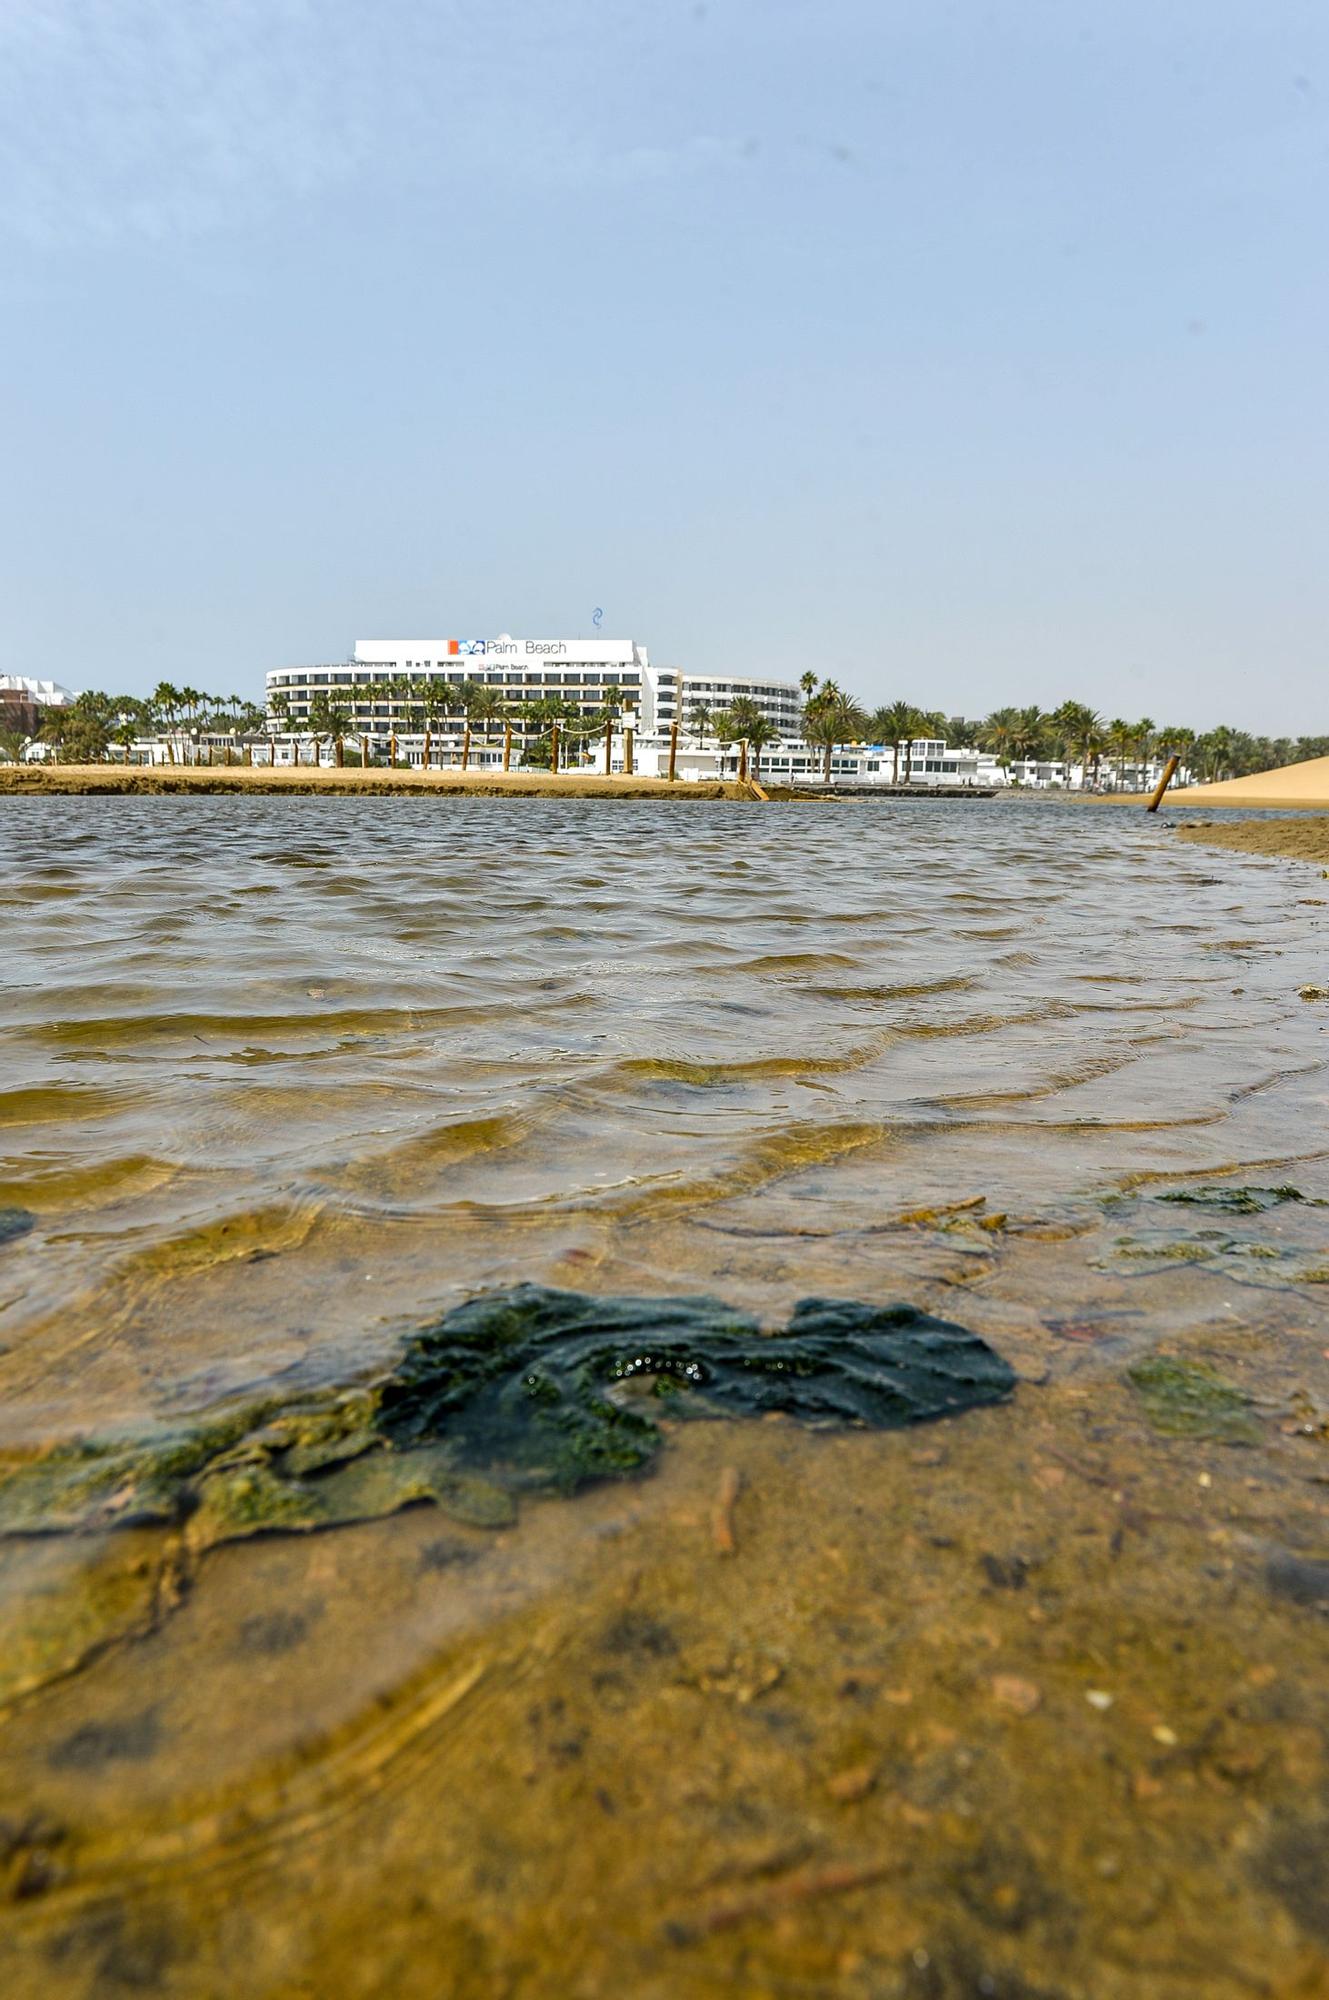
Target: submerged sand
1027	1703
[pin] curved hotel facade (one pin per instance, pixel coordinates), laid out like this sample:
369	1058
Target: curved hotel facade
587	672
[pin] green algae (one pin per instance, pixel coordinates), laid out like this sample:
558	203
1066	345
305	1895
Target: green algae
528	1384
1236	1200
526	1377
1214	1252
521	1390
1191	1399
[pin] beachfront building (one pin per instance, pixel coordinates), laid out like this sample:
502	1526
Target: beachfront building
383	683
23	701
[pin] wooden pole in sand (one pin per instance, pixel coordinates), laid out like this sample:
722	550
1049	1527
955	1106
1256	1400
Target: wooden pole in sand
553	747
627	753
466	747
673	751
743	762
1169	773
507	745
609	747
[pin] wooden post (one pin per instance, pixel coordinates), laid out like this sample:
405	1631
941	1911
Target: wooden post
673	751
627	753
392	751
1169	773
609	747
743	762
553	747
466	747
507	745
339	750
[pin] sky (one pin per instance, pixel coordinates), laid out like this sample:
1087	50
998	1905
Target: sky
969	353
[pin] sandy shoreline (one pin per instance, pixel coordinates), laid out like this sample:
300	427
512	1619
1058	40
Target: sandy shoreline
64	779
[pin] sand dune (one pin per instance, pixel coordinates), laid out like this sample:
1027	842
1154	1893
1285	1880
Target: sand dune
1294	785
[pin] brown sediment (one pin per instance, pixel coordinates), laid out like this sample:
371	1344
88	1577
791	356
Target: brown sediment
56	779
1291	839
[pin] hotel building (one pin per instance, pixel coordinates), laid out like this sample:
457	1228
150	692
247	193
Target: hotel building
589	673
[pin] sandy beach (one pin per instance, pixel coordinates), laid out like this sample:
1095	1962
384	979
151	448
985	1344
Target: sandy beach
1302	786
54	779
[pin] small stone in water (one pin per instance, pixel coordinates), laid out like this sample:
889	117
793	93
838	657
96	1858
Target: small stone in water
848	1786
1014	1693
1100	1699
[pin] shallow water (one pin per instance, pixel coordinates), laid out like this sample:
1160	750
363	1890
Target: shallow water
281	1079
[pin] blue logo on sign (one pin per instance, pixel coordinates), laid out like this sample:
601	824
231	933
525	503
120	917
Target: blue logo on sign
596	616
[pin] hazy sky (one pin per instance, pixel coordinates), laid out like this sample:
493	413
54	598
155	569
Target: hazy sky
971	353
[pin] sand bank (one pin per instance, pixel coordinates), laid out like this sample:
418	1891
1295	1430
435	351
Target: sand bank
1297	839
156	778
1305	785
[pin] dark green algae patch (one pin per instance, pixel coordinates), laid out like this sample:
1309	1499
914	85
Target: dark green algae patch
15	1222
528	1389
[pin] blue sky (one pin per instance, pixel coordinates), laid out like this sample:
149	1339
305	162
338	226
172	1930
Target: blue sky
968	352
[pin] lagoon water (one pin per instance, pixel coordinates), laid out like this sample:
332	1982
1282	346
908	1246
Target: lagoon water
1029	1701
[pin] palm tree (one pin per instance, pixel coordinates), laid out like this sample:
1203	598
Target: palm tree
435	703
1216	752
831	716
328	720
1029	733
808	682
279	706
1119	737
999	734
131	721
751	726
413	713
190	699
1142	736
12	744
1081	731
1176	740
482	706
890	725
249	723
760	731
700	721
166	704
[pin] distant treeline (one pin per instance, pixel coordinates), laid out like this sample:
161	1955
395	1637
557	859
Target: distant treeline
88	728
1071	733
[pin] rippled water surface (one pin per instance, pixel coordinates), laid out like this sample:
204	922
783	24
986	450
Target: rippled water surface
1032	1697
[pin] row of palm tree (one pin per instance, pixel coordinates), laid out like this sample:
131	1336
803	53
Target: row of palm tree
86	729
549	727
1071	734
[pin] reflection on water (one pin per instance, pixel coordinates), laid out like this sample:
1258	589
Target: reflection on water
1032	1697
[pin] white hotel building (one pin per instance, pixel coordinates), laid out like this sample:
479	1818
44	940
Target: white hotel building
587	672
